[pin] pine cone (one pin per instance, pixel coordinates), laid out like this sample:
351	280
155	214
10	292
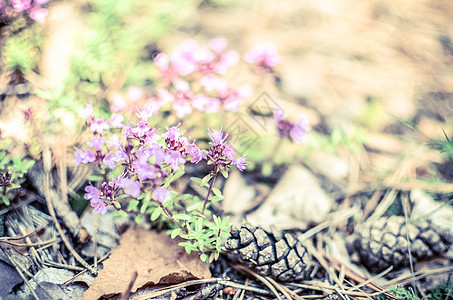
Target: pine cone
276	254
385	242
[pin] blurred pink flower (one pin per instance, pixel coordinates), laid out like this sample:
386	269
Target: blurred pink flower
134	93
264	56
38	14
21	5
218	44
182	108
118	103
86	112
206	104
213	83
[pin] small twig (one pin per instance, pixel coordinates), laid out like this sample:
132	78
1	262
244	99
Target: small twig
85	270
319	257
285	291
167	213
127	292
47	166
417	275
35	256
7	238
260	278
62	266
356	277
162	291
54	240
333	220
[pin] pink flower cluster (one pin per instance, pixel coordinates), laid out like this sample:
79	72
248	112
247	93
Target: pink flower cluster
193	78
264	56
147	158
33	9
291	130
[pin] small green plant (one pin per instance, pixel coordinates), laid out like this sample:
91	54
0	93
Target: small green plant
401	293
442	291
140	172
12	174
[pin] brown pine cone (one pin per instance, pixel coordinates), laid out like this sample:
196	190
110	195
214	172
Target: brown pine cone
385	242
276	254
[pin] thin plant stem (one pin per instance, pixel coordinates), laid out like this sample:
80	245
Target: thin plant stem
167	213
216	170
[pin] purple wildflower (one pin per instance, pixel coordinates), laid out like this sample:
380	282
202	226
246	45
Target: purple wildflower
92	194
229	152
174	159
300	129
96	143
197	153
143	168
290	130
217	136
84	157
128	130
99	125
240	163
99	207
156	151
130	187
109	160
141	129
161	194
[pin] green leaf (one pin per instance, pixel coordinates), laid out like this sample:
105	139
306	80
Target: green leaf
224	173
133	205
182	217
144	206
175	233
138	219
216	198
96	178
196	180
120	213
217	192
205	180
156	214
204	257
196	206
177	175
5	199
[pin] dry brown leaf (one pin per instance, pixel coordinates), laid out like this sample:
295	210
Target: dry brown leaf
154	256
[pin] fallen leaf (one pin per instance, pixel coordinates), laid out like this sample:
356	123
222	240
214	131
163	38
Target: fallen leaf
154	256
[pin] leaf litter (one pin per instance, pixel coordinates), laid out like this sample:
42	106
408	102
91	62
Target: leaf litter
157	259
